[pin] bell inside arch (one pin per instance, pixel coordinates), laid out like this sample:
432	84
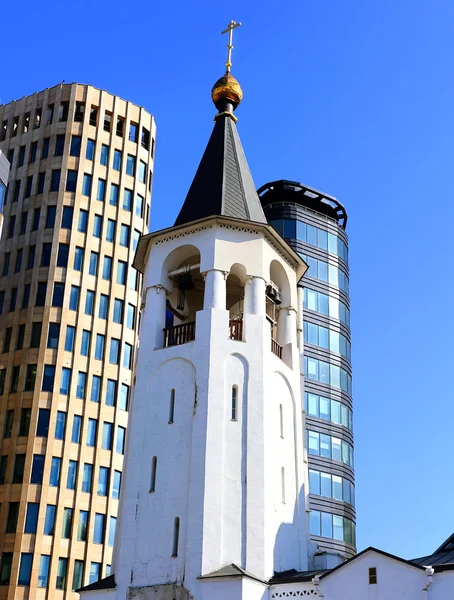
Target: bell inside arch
185	284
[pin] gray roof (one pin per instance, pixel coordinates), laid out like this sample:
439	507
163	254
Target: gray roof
223	183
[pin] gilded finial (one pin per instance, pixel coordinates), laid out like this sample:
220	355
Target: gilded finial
227	87
230	27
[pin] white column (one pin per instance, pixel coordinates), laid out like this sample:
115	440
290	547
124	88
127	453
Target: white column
154	318
215	289
286	326
254	296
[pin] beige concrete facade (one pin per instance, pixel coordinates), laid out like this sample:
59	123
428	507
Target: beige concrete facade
78	127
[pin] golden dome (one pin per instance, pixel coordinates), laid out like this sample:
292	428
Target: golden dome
227	87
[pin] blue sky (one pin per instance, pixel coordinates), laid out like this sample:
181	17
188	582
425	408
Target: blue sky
353	98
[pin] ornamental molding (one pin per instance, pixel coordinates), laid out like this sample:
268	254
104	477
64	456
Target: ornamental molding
294	594
177	236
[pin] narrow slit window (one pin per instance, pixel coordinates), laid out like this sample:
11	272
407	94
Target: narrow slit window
372	575
172	406
176	535
281	420
154	465
234	402
283	484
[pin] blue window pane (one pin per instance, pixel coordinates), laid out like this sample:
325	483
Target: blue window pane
114	355
81	382
112	528
69	340
104	158
90	152
103	306
87	478
289	228
98	533
107	435
49	521
127	199
85	343
83	220
124	396
120	445
95	572
99	347
91	432
74	297
314	482
121	272
89	302
103	481
43	573
142	171
124	235
48	378
95	388
101	193
97	226
77	426
116	485
86	185
327	525
117	160
315	522
65	381
31	519
113	194
110	232
118	311
107	268
130	165
111	392
25	569
54	479
60	425
71	478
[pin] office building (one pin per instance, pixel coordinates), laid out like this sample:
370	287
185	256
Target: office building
314	225
78	200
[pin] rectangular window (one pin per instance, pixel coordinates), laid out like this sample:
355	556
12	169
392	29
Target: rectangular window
87	477
43	573
62	257
113	194
30	378
99	348
7	341
42	427
142	172
107	435
36	218
130	165
112	528
20	160
86	185
124	396
95	388
121	272
78	258
118	311
24	425
116	485
98	532
95	572
74	149
23	223
110	231
25	298
16	191
71	477
61	573
31	257
59	292
9	423
67	217
41	181
60	425
111	392
41	293
63	111
45	152
54	479
3	468
83	220
139	205
55	180
82	526
114	355
107	268
33	152
89	302
19	464
25	569
48	378
117	160
65	381
78	574
127	355
93	115
13	299
49	521
20	337
6	263
104	158
133	132
11	226
5	572
107	120
97	226
35	338
15	379
46	254
74	298
120	445
103	481
69	339
67	521
124	235
13	514
120	126
71	181
103	306
101	193
81	383
131	316
135	239
28	187
93	267
77	426
90	151
127	199
91	432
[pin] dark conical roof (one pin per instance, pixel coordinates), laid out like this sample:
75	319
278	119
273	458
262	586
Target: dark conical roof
223	183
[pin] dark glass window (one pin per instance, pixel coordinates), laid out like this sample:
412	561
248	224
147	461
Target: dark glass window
46	254
59	145
111	392
83	220
55	467
33	151
15	379
71	181
28	187
18	266
75	145
103	306
104	158
24	425
6	263
60	425
130	165
74	298
20	337
45	152
127	199
53	335
41	180
86	185
71	477
55	180
5	571
107	268
13	300
59	292
20	160
23	223
41	293
30	378
62	257
48	378
7	341
25	569
49	521
69	339
113	194
67	217
11	226
90	151
50	217
31	520
42	427
97	226
18	473
35	338
11	521
77	426
31	257
36	217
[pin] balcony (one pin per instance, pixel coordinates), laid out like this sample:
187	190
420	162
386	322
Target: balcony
236	329
276	348
179	334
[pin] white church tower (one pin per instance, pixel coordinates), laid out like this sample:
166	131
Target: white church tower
213	501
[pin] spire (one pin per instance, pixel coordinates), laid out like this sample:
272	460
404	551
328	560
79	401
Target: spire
223	183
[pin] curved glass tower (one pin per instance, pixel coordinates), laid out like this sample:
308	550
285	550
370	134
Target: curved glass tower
314	225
